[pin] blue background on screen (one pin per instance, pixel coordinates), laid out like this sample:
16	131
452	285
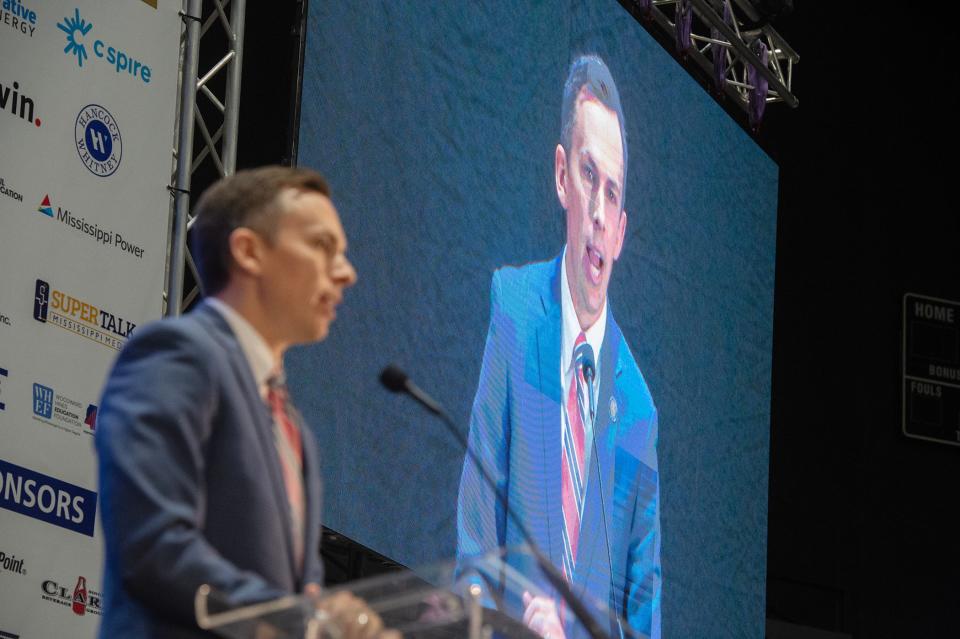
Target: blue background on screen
436	126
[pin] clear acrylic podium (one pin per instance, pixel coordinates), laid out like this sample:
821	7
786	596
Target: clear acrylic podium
481	599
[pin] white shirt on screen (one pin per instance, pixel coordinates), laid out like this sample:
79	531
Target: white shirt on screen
568	337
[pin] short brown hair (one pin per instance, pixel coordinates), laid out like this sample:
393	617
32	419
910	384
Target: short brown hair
245	199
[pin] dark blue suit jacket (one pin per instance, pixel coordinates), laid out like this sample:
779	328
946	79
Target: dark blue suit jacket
191	486
515	430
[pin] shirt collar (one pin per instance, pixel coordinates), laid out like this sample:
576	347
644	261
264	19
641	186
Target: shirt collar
571	325
254	347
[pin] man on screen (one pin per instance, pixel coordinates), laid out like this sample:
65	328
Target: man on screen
562	419
207	475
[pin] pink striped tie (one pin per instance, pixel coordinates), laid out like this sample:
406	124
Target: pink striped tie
290	450
572	462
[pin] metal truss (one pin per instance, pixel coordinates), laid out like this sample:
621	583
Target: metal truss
754	66
186	157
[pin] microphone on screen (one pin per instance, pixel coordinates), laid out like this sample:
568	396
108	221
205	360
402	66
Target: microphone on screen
396	380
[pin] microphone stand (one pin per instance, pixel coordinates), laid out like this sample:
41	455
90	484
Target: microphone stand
401	383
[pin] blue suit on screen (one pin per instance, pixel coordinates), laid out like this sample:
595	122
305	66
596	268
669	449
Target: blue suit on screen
515	431
191	486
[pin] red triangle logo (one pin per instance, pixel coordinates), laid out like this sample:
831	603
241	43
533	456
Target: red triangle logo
46	200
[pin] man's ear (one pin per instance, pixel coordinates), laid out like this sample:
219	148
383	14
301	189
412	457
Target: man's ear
621	232
561	176
246	251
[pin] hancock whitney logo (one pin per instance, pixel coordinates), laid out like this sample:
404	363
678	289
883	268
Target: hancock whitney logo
99	144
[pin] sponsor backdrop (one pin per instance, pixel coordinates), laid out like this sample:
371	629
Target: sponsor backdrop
87	119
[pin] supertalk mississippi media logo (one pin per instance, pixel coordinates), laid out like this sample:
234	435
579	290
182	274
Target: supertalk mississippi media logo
103	235
78	37
98	140
48	499
77	316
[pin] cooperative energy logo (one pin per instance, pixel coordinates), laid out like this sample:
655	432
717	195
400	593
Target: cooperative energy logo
58	410
48	499
18	17
96	232
77	316
78	38
98	140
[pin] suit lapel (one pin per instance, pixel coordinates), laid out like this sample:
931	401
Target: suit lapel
548	361
259	414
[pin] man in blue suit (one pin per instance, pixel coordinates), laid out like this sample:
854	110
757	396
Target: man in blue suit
206	473
563	419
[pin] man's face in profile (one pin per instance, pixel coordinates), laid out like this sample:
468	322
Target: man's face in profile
305	270
589	177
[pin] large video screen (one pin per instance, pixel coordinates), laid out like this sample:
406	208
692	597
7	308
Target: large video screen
564	239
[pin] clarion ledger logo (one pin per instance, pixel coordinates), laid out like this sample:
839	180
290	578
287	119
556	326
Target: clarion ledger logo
46	498
78	38
78	597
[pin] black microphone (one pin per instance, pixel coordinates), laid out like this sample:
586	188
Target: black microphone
396	381
590	373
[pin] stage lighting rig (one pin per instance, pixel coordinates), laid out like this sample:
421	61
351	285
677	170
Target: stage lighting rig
734	42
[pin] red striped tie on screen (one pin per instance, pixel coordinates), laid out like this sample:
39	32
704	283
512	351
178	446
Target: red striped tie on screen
290	450
572	465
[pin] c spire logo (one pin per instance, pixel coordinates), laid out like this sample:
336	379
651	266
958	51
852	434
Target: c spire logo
81	43
76	29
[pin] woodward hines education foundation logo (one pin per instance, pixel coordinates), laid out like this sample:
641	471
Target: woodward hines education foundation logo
78	597
12	100
78	38
19	17
98	140
64	413
70	313
48	499
103	235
